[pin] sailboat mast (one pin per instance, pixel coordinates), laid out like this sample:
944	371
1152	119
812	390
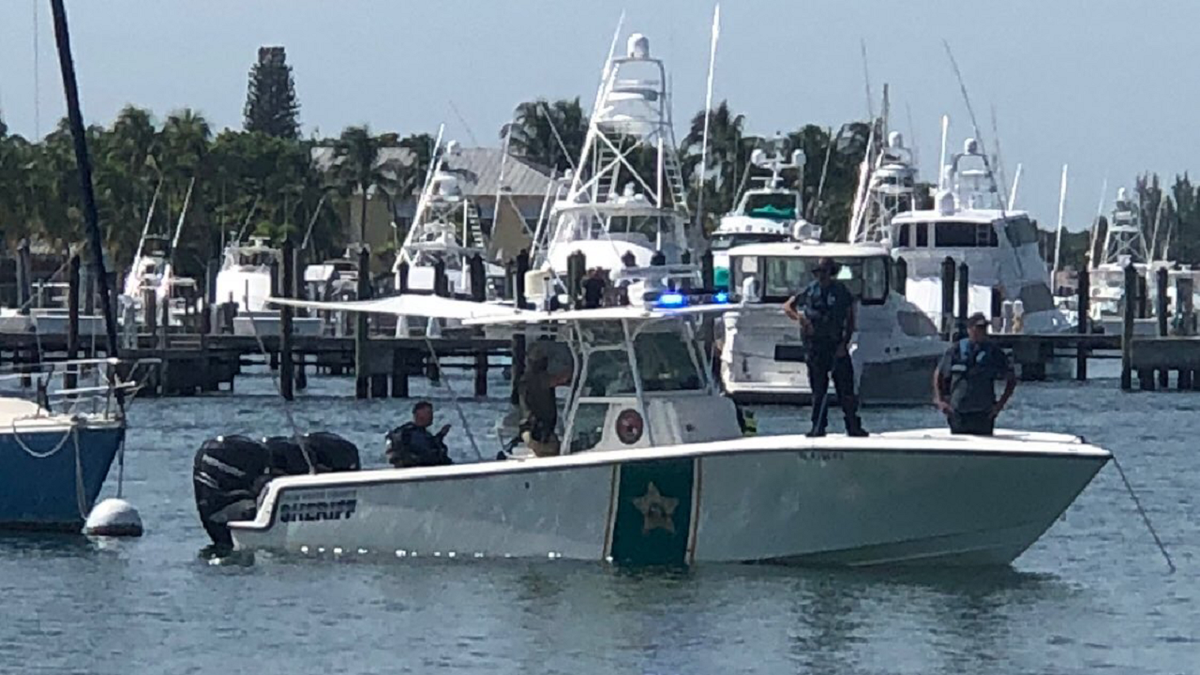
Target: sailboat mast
712	61
91	219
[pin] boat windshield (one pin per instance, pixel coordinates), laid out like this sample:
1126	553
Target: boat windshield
724	242
256	259
773	206
664	364
782	277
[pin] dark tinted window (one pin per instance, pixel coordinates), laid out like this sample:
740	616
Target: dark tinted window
965	235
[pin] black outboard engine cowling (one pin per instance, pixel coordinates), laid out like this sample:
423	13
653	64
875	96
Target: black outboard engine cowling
227	474
333	452
287	457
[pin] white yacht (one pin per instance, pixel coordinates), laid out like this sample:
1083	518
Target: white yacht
627	202
152	270
894	349
1125	244
770	213
445	230
971	224
654	470
245	279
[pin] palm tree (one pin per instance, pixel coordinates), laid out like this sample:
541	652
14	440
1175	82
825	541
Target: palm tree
532	134
360	166
729	151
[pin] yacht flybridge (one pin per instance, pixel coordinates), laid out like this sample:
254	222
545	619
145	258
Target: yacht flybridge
970	223
894	349
654	470
626	200
446	231
770	213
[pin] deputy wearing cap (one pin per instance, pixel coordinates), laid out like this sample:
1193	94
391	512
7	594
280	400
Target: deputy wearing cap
825	310
964	382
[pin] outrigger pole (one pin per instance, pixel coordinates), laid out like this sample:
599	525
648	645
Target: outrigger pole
712	61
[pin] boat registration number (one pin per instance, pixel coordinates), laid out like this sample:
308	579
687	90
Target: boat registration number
820	455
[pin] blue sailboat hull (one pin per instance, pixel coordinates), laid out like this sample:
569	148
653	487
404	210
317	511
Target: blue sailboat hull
45	484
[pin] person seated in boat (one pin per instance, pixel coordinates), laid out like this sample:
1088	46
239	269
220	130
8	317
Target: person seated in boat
411	444
825	311
539	405
964	382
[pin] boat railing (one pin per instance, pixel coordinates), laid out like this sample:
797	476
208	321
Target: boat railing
96	386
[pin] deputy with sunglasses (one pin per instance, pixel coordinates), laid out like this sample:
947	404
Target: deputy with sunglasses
825	310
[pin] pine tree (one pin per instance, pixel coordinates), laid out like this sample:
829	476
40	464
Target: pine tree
271	103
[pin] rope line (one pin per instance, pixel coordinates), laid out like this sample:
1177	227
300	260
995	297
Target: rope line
1145	518
453	399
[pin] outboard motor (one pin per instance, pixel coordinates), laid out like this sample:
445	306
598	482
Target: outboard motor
227	474
318	452
333	453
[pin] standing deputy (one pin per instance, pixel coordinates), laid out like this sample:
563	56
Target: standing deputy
825	310
964	382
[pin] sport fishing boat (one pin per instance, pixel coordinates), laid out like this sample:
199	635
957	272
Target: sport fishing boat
894	349
654	470
55	453
445	232
970	223
152	270
245	279
625	208
770	213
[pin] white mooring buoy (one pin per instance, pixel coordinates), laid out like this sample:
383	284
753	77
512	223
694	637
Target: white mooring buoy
113	518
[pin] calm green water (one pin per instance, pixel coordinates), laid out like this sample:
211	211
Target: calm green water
1092	595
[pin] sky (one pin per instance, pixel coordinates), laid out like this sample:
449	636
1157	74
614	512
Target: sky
1104	86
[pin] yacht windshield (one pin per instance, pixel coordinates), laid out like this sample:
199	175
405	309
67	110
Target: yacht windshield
865	278
724	242
663	363
777	206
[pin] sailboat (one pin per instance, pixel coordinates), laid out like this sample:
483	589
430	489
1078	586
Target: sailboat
624	206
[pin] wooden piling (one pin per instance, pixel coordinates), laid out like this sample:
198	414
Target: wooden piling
1160	314
164	314
24	280
947	327
520	267
361	327
575	271
1083	323
400	371
441	286
1143	297
1127	316
707	273
402	277
287	287
479	294
900	272
150	310
71	378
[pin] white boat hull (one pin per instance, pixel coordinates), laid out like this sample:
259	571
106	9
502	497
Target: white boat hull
889	499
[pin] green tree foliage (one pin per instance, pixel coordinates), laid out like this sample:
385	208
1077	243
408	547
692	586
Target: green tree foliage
271	104
532	132
360	168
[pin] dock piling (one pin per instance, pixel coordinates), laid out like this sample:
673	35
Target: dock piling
361	327
947	327
1127	317
1083	323
900	272
964	299
287	287
1160	313
71	378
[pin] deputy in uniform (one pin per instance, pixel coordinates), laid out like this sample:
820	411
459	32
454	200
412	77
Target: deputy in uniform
964	382
412	444
825	310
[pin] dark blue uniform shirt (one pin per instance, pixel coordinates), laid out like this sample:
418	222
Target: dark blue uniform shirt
973	369
826	310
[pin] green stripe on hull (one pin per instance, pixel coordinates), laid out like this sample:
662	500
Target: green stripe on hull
653	512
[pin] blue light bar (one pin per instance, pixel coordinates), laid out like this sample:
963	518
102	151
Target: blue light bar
720	298
672	300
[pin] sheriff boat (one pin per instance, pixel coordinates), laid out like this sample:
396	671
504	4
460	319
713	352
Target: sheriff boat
655	470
